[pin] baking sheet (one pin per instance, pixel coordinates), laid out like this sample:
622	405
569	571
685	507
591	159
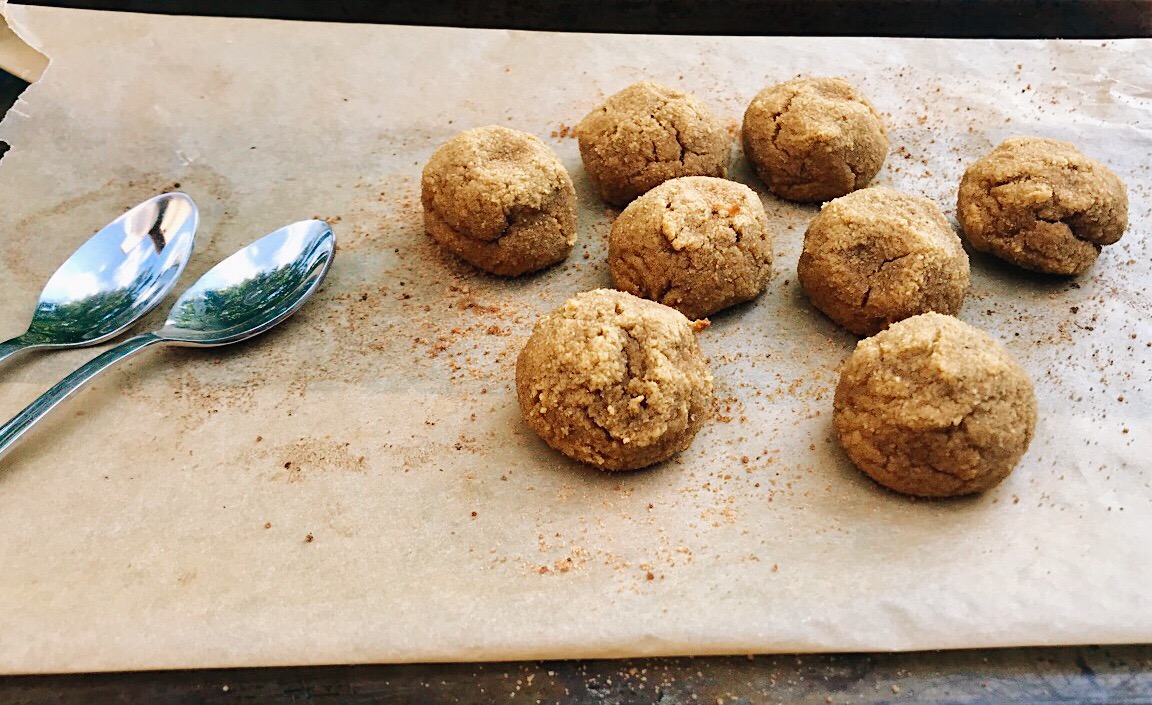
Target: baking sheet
357	486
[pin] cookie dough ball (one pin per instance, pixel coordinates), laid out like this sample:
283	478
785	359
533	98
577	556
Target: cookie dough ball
646	134
697	244
878	256
934	407
500	199
1042	205
813	139
613	380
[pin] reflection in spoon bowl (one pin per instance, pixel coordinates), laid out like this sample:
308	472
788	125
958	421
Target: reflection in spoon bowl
118	275
248	293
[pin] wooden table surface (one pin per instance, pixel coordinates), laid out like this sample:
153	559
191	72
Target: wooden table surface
1056	675
1084	674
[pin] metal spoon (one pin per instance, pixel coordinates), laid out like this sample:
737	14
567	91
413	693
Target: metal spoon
116	277
239	298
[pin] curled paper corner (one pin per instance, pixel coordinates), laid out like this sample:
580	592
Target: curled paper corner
20	53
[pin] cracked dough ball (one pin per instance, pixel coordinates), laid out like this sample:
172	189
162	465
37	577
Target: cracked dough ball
647	134
877	256
1042	205
813	139
934	407
613	380
697	244
500	199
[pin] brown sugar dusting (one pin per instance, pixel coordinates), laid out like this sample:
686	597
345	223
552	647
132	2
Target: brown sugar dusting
429	312
562	555
390	208
206	387
305	458
475	337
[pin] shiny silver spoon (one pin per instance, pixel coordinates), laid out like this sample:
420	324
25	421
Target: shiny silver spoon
241	297
119	275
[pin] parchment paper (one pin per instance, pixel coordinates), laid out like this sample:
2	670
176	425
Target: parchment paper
357	486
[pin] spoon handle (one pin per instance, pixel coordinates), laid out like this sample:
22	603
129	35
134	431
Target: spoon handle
14	429
12	346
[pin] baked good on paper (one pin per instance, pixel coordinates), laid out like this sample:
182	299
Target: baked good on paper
877	256
613	380
500	199
934	407
647	134
813	139
1042	205
697	243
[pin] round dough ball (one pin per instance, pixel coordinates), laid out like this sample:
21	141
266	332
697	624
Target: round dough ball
613	380
500	199
1042	205
813	139
647	134
878	256
697	244
934	407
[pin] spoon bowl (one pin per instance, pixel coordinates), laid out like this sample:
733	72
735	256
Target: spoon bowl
254	289
241	297
121	273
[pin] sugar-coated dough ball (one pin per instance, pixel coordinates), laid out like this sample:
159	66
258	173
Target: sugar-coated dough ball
500	199
696	243
877	256
614	380
934	407
647	134
1042	205
813	139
